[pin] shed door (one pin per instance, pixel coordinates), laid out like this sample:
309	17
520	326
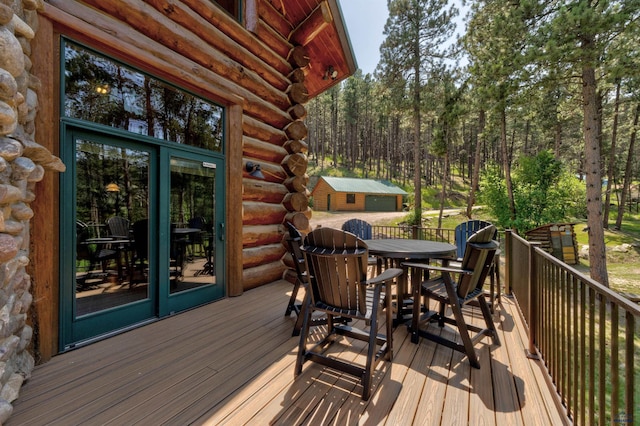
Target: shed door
380	203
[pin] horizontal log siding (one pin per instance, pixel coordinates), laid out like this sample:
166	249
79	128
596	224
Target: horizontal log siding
197	46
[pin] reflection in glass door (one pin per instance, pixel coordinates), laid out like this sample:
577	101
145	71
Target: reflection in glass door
106	214
147	240
112	210
193	217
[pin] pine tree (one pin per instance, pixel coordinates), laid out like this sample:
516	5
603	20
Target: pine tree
416	33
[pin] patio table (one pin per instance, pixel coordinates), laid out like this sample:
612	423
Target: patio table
403	250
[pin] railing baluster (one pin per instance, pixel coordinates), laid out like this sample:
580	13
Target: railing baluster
615	370
592	358
629	364
602	334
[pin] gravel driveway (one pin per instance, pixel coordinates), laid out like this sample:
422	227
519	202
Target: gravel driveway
336	219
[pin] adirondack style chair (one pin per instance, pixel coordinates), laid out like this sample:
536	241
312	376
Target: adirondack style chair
358	227
462	233
294	241
336	264
468	287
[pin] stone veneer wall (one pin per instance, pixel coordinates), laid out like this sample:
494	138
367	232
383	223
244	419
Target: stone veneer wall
22	164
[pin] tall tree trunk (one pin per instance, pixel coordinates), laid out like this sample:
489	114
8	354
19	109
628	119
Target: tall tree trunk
626	186
417	159
558	138
443	193
612	158
597	249
506	163
334	127
475	177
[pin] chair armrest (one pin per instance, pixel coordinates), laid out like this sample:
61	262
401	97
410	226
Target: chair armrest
450	269
387	275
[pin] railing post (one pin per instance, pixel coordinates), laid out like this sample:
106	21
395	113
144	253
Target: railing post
532	352
508	259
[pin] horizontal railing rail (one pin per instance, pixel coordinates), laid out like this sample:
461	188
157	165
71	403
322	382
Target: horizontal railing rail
586	334
414	232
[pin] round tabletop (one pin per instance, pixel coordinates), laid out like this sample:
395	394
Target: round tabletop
397	248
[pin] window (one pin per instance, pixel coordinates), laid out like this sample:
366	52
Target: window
351	198
231	6
103	91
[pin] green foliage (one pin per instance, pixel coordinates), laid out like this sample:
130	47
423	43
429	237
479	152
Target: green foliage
543	192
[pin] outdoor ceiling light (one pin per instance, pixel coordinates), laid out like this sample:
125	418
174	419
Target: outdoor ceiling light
330	73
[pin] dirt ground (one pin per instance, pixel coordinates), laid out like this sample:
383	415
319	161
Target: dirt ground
336	219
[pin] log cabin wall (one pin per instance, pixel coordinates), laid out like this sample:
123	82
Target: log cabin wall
255	71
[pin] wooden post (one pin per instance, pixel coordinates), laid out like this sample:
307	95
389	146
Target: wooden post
508	236
532	351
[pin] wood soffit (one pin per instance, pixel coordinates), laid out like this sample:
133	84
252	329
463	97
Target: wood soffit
319	26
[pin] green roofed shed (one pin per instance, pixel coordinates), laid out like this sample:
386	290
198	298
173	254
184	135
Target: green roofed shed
354	194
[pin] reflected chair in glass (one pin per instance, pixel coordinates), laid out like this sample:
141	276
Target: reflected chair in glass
197	239
468	288
118	227
92	254
139	261
336	264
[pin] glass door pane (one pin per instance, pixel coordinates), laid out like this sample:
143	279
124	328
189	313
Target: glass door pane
192	215
112	210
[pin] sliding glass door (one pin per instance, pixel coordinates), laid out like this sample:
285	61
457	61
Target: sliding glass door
141	233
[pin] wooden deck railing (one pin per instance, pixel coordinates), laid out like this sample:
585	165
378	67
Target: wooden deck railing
414	232
586	335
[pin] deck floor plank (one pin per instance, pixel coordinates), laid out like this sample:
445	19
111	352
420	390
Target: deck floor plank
231	362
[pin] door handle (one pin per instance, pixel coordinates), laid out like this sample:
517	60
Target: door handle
221	233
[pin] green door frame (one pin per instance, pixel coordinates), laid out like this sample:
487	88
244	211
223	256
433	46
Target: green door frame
76	331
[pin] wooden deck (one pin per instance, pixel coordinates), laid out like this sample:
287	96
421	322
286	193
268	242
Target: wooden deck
231	362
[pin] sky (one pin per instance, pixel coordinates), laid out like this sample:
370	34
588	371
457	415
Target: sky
365	21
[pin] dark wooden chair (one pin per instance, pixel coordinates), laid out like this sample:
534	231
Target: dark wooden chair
363	230
359	227
476	264
337	268
294	241
462	233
